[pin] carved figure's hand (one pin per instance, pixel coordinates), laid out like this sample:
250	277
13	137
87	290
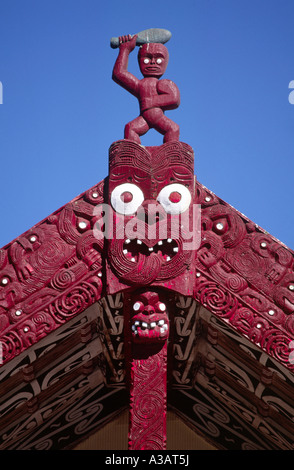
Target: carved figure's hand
207	258
128	42
24	270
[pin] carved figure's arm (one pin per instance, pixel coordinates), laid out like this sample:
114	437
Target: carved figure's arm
168	96
120	72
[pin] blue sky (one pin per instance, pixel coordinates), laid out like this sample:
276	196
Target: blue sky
231	59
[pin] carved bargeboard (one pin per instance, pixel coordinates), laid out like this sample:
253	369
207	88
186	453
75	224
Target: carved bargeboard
59	268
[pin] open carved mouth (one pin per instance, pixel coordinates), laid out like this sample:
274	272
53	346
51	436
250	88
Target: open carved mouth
166	249
142	260
150	328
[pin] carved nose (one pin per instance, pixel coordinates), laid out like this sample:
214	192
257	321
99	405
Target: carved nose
148	310
152	212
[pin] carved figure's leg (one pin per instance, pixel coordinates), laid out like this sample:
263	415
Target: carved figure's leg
156	119
169	128
136	128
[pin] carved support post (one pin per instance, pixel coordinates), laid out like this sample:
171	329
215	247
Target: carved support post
147	429
147	331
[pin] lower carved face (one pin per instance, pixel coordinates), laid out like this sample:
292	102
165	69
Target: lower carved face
141	260
150	323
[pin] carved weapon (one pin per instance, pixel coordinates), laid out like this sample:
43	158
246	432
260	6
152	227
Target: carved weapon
148	35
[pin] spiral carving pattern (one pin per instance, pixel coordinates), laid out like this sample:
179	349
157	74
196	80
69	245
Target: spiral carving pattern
217	300
49	274
75	300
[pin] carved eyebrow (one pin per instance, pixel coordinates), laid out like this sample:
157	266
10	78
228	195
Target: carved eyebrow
156	54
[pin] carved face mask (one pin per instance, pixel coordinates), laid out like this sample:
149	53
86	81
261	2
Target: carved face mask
151	192
149	322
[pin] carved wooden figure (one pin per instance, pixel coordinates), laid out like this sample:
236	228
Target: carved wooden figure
155	96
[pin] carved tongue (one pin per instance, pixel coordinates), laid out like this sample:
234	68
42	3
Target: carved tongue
146	270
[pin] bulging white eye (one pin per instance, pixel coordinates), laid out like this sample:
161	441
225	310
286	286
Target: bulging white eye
159	61
146	61
126	198
175	198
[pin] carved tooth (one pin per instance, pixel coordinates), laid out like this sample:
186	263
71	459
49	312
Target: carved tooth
152	324
137	323
133	259
127	241
133	328
161	322
144	325
139	242
175	249
162	330
169	240
160	242
125	251
150	248
165	327
167	258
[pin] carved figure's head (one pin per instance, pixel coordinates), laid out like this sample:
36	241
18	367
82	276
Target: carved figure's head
153	59
150	323
151	191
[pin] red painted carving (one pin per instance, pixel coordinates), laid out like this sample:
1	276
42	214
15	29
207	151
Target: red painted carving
50	274
155	96
245	277
59	267
147	316
148	402
150	190
147	246
151	243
